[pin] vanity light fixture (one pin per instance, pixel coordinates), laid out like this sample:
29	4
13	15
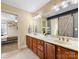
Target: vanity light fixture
64	4
56	8
35	17
15	21
74	1
38	16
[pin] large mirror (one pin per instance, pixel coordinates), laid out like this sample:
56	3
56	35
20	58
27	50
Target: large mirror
64	25
39	25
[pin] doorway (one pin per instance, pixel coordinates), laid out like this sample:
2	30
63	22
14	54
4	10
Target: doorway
9	32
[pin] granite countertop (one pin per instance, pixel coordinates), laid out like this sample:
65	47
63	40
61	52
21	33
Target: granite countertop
72	44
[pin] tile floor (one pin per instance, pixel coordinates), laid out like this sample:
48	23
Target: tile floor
20	54
9	47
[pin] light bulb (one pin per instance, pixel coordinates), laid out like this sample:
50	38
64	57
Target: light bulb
74	1
56	8
15	20
64	4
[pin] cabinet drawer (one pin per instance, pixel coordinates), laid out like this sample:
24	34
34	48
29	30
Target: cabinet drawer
40	54
35	50
34	43
40	42
40	47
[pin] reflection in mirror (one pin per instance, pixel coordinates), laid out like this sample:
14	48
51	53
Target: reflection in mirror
75	16
39	25
53	24
64	25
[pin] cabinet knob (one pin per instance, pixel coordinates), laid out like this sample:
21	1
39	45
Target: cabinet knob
58	49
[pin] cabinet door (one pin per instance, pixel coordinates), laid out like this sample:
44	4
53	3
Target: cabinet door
72	55
58	53
63	53
76	55
49	51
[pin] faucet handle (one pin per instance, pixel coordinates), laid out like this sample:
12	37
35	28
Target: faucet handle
67	40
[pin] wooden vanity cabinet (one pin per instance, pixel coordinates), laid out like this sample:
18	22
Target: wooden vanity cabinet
57	52
63	53
49	51
36	45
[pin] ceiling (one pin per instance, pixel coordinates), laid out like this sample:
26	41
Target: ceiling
27	5
46	8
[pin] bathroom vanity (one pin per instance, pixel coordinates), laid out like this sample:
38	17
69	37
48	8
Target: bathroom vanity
48	48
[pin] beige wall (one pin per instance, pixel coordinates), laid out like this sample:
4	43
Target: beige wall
24	19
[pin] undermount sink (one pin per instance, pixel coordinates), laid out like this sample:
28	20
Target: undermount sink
63	42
